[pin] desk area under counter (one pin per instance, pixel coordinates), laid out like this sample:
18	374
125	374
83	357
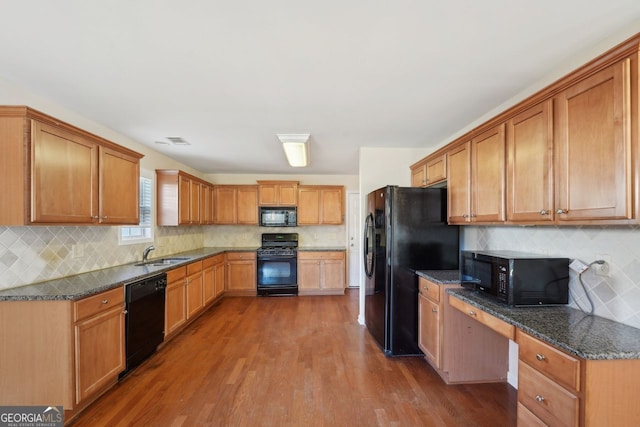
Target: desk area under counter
574	369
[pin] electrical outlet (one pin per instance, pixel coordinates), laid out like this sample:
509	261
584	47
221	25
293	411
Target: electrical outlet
603	269
77	250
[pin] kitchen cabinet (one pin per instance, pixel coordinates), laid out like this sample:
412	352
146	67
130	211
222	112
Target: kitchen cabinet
429	171
430	321
236	204
54	173
320	204
278	193
62	352
182	199
593	147
175	311
529	165
194	289
556	388
99	341
213	276
321	272
241	273
476	179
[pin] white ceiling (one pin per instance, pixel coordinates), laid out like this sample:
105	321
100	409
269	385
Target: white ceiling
227	76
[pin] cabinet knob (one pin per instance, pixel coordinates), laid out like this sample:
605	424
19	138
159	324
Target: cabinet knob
105	217
472	313
105	301
95	217
124	312
539	398
540	357
473	215
465	216
544	212
562	211
434	310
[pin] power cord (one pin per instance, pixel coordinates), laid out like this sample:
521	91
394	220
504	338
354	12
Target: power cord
584	288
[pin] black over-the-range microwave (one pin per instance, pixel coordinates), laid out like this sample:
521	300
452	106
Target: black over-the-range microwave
278	216
516	278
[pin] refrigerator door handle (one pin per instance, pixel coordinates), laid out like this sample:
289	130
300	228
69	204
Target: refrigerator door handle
369	251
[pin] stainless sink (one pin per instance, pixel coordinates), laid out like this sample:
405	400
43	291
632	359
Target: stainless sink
162	261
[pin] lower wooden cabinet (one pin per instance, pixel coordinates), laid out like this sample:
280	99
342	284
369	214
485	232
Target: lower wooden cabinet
175	308
429	336
241	273
213	278
194	288
61	352
99	341
321	272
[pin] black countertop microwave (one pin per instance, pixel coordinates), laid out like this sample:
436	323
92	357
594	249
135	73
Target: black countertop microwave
278	217
516	278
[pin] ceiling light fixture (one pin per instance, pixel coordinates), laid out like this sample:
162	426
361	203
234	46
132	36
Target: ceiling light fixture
296	148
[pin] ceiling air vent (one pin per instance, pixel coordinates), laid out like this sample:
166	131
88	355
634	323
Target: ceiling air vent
176	140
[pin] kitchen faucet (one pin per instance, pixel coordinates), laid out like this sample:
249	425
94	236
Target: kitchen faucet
146	251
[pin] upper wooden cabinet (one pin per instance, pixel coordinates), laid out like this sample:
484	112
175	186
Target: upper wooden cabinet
570	157
278	193
529	165
320	204
182	199
594	178
429	171
236	204
54	173
476	179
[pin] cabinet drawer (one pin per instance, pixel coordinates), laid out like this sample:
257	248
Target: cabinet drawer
319	255
560	366
176	274
429	289
492	322
194	268
211	261
527	418
553	404
98	303
233	256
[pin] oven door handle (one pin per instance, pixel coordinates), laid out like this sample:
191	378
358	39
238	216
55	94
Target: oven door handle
276	258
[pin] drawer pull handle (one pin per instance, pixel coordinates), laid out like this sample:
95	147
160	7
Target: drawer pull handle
544	212
105	301
472	313
539	398
434	310
540	357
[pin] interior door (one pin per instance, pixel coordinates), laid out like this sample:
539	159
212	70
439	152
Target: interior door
355	247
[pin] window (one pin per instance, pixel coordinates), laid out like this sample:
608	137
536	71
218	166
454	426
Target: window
144	231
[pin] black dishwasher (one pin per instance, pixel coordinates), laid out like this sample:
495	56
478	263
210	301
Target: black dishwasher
144	321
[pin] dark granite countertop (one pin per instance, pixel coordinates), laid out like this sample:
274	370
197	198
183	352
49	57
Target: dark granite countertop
85	284
576	332
443	277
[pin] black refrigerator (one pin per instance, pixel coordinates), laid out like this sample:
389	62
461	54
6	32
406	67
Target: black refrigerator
405	230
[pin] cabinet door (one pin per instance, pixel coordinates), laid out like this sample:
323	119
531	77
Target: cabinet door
593	147
219	276
119	178
459	184
247	205
287	194
419	176
64	176
208	285
206	212
225	205
308	206
194	294
436	170
529	168
429	329
488	176
195	189
241	275
175	312
184	204
309	274
331	204
333	274
100	353
267	195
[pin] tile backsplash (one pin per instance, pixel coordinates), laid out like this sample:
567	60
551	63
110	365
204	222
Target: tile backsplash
616	297
35	254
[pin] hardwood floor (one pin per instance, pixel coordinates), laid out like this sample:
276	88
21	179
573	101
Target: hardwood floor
291	361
